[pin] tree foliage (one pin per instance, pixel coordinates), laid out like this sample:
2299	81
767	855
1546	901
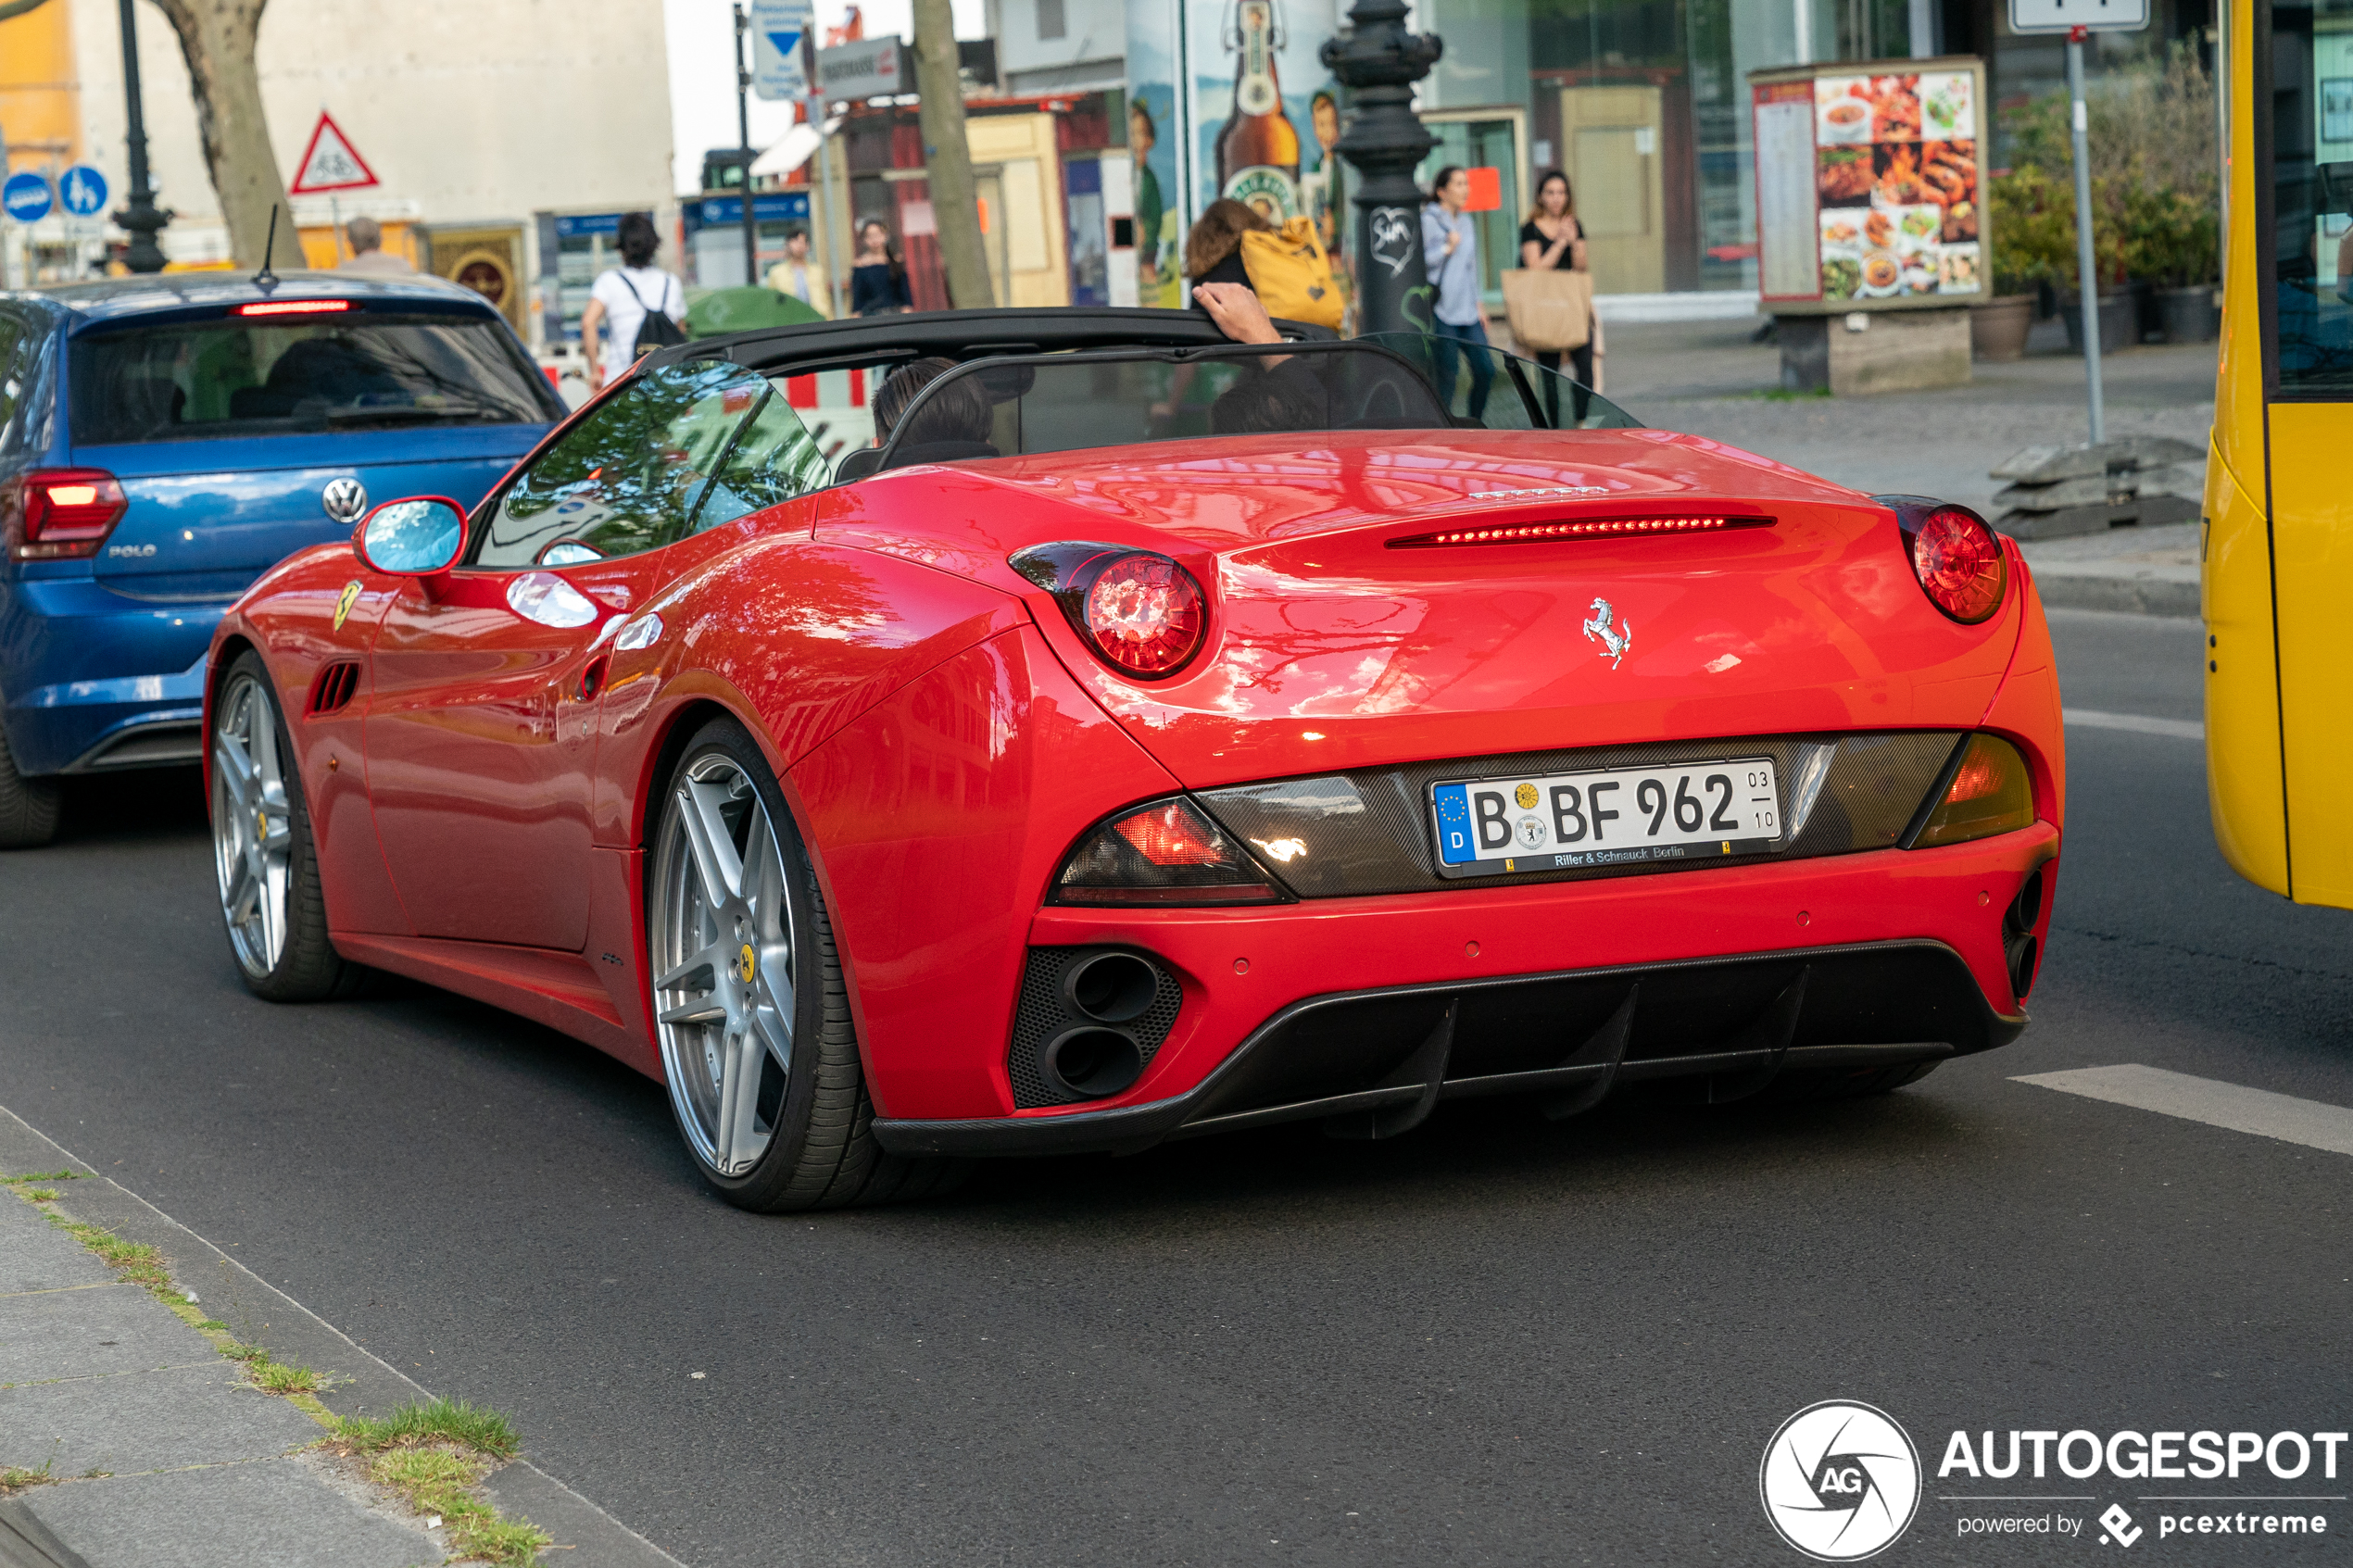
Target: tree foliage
2156	190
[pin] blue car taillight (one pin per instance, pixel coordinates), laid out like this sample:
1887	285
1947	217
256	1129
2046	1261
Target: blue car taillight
59	514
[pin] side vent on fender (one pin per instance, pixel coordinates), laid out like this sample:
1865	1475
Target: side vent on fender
337	684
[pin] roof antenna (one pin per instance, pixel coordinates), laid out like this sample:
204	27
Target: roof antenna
266	279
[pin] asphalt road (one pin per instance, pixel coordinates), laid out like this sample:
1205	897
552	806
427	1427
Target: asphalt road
1494	1341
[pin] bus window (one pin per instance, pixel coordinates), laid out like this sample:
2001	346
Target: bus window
2312	197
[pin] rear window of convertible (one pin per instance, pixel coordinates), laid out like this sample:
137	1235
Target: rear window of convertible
363	371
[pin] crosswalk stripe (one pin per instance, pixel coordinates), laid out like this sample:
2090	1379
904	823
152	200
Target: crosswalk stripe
2139	724
2235	1105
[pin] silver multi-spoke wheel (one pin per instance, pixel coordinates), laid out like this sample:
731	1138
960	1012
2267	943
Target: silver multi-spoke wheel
252	830
722	930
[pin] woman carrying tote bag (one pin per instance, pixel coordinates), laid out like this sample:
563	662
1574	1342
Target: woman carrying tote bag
1551	296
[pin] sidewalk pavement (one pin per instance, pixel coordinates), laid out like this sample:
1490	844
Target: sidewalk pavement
155	1450
1707	378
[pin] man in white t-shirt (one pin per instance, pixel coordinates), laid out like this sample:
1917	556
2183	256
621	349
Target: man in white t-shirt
622	296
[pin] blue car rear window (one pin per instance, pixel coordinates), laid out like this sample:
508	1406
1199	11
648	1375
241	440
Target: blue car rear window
222	377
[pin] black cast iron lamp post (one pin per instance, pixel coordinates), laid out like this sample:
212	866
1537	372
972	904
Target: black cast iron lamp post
1378	61
141	219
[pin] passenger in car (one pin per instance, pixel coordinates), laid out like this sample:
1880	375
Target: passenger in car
953	426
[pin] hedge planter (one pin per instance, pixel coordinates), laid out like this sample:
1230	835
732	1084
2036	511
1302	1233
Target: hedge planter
2118	326
2189	315
1997	327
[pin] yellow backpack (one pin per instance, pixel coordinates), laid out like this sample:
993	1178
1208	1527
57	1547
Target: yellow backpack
1292	275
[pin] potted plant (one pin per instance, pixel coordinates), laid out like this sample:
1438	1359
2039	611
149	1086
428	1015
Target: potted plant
2024	255
2173	240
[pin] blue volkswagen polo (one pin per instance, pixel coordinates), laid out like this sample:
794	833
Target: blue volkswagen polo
165	439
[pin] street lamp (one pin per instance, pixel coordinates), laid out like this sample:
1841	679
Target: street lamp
141	219
1378	61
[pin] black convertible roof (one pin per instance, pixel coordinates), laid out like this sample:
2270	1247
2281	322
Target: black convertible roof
964	334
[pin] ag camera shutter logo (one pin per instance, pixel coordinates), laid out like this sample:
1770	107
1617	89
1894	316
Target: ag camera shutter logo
1840	1481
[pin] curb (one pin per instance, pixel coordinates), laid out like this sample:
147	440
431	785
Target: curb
2134	595
590	1536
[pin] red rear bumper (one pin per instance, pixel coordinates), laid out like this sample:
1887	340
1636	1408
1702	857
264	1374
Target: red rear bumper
1882	926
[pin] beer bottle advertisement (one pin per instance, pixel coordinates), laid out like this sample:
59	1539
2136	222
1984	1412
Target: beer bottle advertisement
1258	148
1230	90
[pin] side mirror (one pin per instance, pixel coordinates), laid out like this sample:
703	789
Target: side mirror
419	537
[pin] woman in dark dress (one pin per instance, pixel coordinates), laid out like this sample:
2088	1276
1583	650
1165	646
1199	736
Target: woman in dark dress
878	281
1551	240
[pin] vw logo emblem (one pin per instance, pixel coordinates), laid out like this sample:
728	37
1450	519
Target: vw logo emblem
345	499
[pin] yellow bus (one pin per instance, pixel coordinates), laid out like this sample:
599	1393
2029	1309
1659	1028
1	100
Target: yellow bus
2277	549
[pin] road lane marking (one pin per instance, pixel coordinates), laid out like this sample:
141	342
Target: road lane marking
2235	1105
2139	724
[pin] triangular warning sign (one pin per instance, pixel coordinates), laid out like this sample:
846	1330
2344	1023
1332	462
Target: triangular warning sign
330	163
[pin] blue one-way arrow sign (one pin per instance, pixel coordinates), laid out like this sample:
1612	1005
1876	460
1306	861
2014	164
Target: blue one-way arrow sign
777	28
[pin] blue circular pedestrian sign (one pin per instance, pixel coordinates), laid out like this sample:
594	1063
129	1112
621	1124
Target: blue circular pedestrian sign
82	190
25	197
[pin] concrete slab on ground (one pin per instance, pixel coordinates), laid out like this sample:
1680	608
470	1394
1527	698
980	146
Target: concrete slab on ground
148	1420
2147	570
275	1514
104	1330
36	1255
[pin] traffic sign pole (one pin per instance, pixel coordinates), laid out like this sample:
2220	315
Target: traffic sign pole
743	140
2087	283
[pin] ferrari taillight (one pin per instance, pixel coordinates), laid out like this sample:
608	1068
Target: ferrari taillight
1990	792
1954	555
1140	611
59	514
1168	852
1144	614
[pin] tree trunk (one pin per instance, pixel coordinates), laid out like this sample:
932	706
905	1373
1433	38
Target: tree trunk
955	204
217	38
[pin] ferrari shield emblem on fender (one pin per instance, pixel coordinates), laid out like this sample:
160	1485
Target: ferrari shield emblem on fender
1613	638
349	597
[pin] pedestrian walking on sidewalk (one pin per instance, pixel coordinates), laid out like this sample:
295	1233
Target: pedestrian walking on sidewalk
367	238
1450	255
640	306
878	281
801	278
1552	240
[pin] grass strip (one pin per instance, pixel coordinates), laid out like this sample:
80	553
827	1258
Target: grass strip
435	1456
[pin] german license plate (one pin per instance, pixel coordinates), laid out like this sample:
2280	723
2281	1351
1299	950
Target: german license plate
1615	816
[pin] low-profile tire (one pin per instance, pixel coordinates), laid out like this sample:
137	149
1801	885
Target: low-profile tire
751	1008
1791	1088
28	807
267	865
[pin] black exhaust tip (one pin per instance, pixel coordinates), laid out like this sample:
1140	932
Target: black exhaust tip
2022	955
2028	906
1094	1063
1110	987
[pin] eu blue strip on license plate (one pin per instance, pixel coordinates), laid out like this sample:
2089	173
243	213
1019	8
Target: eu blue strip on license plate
1615	816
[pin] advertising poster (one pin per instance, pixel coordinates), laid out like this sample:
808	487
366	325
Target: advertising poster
1256	82
1155	136
1881	187
1233	101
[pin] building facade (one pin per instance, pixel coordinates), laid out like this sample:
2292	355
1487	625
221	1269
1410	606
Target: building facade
1644	103
506	139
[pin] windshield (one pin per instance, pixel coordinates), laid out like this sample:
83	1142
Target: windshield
1012	406
224	378
1501	391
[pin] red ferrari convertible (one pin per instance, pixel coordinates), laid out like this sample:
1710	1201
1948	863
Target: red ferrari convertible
1152	736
